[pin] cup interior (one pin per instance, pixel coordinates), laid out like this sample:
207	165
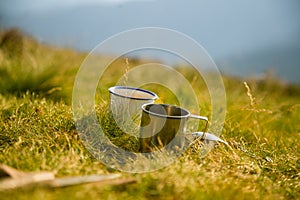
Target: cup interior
132	93
165	110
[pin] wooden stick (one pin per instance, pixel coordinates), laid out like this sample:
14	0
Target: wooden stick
27	179
6	171
69	181
11	178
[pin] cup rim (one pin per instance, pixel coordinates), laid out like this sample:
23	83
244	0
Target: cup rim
166	116
112	91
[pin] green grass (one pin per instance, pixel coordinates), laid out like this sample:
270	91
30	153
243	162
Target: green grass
37	133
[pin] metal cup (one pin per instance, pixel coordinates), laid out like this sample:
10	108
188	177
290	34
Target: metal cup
164	126
125	105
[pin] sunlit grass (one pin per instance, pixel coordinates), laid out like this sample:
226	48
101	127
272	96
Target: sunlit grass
37	133
27	66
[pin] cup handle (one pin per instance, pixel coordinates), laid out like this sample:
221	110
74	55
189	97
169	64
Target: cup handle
206	124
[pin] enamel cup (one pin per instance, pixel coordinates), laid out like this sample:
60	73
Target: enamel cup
125	105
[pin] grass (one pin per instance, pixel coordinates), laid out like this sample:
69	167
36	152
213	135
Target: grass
27	66
37	133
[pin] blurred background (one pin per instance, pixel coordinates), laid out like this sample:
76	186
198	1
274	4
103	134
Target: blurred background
245	38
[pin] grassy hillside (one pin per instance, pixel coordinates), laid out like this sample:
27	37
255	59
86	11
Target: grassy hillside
37	133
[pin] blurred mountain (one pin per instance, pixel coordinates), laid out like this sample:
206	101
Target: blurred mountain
243	37
283	63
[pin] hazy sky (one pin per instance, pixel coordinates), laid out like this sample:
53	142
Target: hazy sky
48	5
224	28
